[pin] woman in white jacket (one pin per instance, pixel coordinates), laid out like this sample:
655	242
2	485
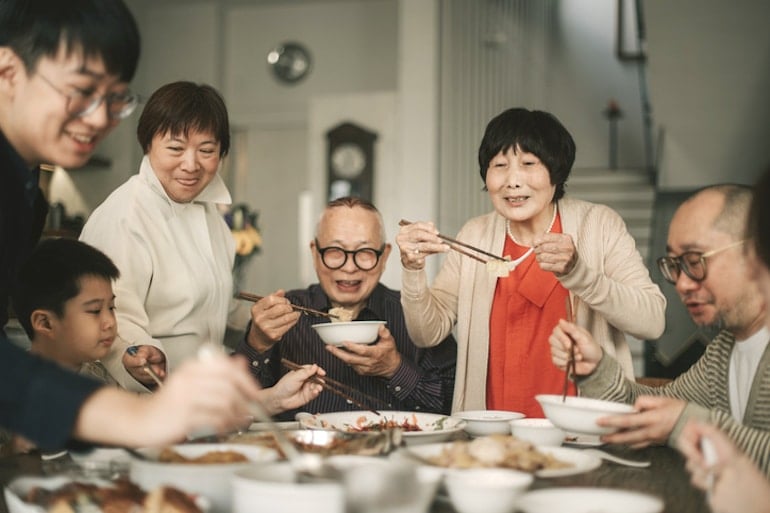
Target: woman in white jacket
559	248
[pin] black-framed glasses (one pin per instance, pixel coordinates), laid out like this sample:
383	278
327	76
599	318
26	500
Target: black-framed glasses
692	263
83	103
335	257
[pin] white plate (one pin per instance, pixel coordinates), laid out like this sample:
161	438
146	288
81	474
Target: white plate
581	462
21	486
264	426
435	427
588	500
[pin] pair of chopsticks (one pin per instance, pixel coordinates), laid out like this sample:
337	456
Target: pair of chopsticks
254	298
132	350
458	245
571	361
337	388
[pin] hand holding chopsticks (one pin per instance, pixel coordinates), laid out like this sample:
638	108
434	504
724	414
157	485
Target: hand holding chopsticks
337	388
308	311
461	247
147	368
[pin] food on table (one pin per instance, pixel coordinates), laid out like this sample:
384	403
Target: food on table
496	451
341	314
168	455
363	423
117	497
331	445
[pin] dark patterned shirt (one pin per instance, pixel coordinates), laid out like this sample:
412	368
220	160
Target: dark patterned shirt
423	382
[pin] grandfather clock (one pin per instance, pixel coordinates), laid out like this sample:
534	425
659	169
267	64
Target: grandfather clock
350	161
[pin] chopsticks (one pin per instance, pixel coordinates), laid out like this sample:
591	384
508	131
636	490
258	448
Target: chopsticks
454	243
146	367
337	388
571	362
254	298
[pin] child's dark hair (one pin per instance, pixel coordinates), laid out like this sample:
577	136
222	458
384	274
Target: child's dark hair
51	277
100	28
536	132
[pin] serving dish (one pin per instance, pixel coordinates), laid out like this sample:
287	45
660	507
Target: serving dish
324	442
417	428
212	480
578	462
579	414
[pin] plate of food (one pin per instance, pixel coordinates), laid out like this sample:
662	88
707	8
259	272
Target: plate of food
504	451
58	493
323	442
416	427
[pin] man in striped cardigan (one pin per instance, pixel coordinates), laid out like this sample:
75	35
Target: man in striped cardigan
730	385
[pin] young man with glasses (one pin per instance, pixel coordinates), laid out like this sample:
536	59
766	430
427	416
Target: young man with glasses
64	73
730	384
349	255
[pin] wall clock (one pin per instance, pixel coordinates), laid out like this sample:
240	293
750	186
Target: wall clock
290	62
350	161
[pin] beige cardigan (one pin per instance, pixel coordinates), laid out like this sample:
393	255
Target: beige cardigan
610	286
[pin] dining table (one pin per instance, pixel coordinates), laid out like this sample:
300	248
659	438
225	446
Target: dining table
666	477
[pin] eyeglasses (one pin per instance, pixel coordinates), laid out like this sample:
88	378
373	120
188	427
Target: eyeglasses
334	257
82	103
692	263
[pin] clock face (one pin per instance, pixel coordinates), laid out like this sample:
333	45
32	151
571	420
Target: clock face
348	160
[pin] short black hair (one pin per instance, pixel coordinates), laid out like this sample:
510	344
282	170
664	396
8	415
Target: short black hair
536	132
182	106
51	277
100	28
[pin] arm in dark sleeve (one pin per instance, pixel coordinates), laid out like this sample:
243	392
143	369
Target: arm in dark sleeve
39	399
427	383
265	367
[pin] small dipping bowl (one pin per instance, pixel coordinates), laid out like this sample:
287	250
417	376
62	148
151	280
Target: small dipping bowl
488	422
486	490
537	432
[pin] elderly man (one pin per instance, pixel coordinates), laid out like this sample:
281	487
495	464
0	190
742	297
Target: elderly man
349	255
730	385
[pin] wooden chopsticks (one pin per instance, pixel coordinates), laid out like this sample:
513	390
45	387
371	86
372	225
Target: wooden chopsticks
337	388
253	297
571	362
454	243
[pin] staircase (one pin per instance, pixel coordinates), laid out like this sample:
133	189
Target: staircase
628	192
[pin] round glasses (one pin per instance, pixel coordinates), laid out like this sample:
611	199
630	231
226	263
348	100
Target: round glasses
335	257
83	103
692	263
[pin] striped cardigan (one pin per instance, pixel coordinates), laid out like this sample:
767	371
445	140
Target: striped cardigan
705	387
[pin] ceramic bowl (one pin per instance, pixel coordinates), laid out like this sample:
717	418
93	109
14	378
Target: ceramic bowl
275	487
587	500
488	422
579	414
537	432
212	480
486	490
358	332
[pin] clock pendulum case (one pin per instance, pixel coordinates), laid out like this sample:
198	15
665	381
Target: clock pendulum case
350	161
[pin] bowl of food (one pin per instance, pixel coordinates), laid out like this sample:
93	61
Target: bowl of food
416	427
579	414
486	490
357	332
537	432
205	469
488	422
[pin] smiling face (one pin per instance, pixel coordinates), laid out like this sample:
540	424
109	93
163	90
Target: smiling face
34	112
184	164
728	297
520	188
85	331
350	229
